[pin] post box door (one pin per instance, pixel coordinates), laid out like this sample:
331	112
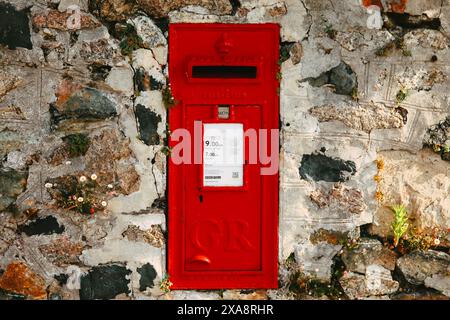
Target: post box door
223	221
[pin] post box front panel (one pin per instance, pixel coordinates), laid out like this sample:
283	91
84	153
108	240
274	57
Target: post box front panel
223	214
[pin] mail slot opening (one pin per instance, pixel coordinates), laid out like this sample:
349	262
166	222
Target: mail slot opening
224	72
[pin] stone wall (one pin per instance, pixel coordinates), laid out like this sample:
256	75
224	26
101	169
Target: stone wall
365	116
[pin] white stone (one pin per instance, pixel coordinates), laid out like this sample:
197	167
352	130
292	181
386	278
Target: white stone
150	34
93	34
16	160
193	295
294	25
75	274
439	282
143	58
124	251
121	80
64	4
315	61
160	54
144	222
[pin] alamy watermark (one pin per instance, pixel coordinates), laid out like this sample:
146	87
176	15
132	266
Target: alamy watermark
73	22
226	147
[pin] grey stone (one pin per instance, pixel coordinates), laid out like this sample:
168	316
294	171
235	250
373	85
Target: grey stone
316	260
148	125
344	79
45	226
419	265
193	295
377	282
425	195
121	80
368	252
440	282
65	4
12	184
117	250
143	59
316	59
149	32
148	275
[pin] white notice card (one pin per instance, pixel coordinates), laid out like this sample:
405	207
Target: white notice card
223	154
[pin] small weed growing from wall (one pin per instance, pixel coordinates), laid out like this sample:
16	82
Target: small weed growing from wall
379	196
398	43
279	76
166	150
355	95
400	224
83	194
418	239
443	150
130	40
329	30
165	284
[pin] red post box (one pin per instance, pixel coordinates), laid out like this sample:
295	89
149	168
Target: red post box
223	167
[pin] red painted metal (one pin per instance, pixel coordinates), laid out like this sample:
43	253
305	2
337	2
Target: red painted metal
223	237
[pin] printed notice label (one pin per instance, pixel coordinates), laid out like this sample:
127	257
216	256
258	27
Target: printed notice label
223	154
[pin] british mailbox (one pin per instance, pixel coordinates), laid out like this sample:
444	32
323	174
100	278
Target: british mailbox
223	167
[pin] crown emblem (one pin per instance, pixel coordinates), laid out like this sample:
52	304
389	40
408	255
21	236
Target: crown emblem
224	44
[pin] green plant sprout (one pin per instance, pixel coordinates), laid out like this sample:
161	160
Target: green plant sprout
168	99
401	95
165	284
77	144
130	40
400	224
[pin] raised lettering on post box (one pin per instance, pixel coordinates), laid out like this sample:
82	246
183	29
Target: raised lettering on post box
223	165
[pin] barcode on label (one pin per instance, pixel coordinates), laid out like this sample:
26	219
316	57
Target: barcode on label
235	175
212	177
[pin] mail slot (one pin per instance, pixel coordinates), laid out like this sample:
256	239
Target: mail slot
223	165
